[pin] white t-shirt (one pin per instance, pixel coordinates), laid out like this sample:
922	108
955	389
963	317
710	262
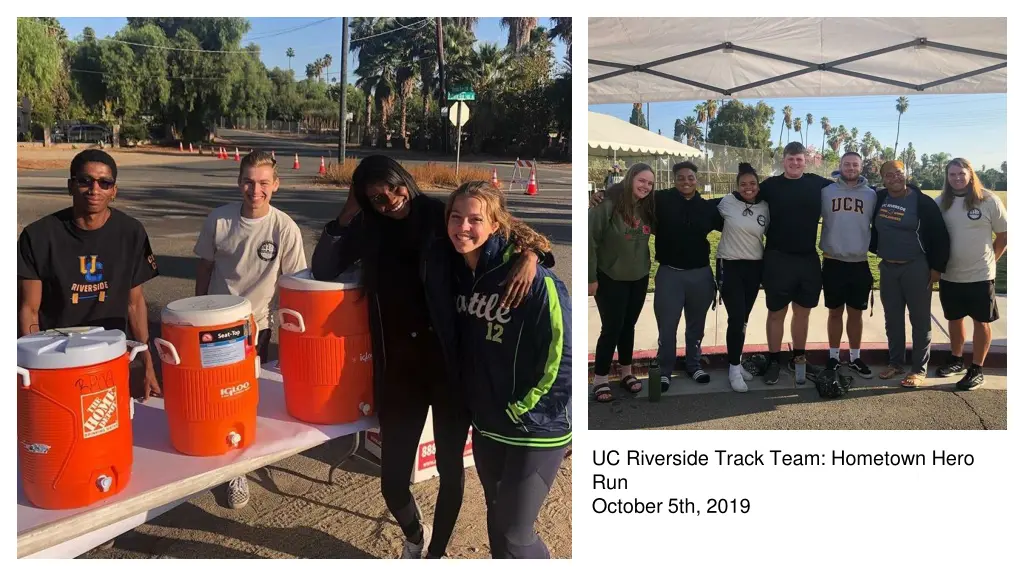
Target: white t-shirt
743	232
972	257
249	255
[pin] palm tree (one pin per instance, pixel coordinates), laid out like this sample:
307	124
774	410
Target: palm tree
519	30
787	120
910	156
326	62
902	103
376	71
797	125
826	128
290	53
851	146
711	108
810	120
701	110
842	135
691	129
465	23
561	28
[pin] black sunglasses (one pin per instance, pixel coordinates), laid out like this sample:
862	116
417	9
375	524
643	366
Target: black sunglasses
87	182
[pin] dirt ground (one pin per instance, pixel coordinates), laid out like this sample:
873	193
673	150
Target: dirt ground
58	156
295	513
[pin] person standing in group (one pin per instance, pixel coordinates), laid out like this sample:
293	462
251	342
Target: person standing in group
618	268
85	265
400	236
516	368
909	235
967	287
744	218
243	248
790	256
847	207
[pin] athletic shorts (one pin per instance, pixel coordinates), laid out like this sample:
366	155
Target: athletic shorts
790	278
974	299
846	284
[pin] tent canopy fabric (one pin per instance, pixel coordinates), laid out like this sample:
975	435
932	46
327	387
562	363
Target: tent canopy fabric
610	133
675	59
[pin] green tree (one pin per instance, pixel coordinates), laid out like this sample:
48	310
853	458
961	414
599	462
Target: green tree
637	118
743	126
797	126
902	103
826	127
519	30
39	78
787	121
561	29
290	53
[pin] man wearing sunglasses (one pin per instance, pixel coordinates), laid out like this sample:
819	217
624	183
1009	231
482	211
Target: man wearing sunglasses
85	265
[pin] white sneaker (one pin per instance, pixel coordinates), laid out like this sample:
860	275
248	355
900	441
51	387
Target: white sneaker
736	379
238	492
415	551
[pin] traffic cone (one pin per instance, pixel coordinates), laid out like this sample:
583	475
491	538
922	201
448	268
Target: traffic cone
190	150
180	149
295	166
237	157
494	179
531	190
223	155
323	169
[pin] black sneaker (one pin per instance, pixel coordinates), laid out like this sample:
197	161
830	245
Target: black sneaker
833	365
861	369
700	376
954	367
665	383
972	380
771	373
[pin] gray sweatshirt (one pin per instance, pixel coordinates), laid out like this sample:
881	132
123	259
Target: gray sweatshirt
846	212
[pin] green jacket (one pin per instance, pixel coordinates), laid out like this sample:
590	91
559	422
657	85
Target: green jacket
619	250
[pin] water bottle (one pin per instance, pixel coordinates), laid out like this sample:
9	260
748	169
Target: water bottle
800	362
654	382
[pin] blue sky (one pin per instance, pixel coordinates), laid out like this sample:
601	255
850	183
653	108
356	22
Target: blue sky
969	126
310	37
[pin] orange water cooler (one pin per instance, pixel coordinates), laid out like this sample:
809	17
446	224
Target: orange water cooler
210	373
74	416
326	355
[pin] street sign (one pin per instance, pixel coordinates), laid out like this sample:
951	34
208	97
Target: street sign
461	92
458	114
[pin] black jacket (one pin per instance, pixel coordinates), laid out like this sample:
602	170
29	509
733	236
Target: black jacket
681	229
931	228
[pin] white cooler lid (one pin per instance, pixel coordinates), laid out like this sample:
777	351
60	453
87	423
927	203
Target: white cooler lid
211	310
348	280
70	348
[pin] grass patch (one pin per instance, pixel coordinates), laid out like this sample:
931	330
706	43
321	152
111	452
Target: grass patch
428	176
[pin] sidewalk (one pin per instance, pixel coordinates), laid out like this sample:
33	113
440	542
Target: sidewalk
874	347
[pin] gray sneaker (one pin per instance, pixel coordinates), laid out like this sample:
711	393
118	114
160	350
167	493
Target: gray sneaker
412	551
238	492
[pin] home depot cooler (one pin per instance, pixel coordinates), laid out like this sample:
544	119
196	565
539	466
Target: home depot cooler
326	354
74	416
210	373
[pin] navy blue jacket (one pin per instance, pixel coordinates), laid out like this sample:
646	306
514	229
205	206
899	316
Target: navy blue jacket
516	364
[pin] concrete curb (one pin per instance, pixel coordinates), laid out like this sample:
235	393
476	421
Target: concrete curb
873	353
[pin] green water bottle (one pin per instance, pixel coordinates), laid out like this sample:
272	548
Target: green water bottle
654	382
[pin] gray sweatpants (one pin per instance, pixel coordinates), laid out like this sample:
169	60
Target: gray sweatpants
676	291
905	287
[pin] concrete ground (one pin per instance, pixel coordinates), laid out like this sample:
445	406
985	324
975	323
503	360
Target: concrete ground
292	513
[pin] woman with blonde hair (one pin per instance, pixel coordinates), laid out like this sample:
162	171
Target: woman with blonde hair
909	235
515	366
967	287
618	272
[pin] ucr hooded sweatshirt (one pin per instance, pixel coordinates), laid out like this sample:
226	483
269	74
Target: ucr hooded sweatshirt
846	213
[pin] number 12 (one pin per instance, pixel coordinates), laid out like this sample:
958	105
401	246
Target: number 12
494	332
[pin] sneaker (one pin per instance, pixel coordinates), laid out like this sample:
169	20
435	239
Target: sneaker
862	369
238	492
954	367
412	551
771	373
972	379
665	383
736	380
700	377
833	365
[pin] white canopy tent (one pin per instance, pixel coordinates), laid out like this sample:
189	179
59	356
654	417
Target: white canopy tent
673	59
621	138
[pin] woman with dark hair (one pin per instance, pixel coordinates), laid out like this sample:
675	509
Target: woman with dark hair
744	219
619	268
400	236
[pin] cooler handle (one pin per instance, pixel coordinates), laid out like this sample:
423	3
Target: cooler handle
135	349
25	380
300	327
254	330
168	353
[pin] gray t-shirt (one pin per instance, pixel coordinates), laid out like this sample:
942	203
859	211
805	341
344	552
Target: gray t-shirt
897	224
743	232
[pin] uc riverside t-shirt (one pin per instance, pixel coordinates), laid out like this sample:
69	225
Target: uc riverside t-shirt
971	254
86	274
249	255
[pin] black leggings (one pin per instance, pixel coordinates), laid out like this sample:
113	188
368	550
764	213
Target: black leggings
738	281
516	481
402	415
619	303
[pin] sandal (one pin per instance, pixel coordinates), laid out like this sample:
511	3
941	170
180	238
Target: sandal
631	384
913	381
603	393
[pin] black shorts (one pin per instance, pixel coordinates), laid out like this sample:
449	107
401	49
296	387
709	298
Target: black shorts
792	278
974	299
846	283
